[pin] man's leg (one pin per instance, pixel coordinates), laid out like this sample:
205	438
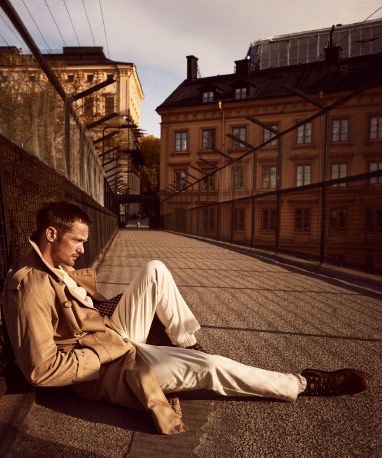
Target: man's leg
180	369
153	290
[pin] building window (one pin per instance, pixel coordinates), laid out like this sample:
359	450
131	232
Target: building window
241	134
237	176
340	130
268	220
109	76
302	219
181	141
303	174
268	135
238	219
90	78
180	180
375	128
339	171
208	182
269	177
208	139
3	78
109	104
32	78
70	78
208	96
304	134
373	166
89	107
240	93
374	219
338	220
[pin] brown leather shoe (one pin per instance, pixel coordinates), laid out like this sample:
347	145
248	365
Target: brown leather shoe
197	347
336	383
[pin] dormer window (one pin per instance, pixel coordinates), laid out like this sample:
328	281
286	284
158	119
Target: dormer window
240	93
208	96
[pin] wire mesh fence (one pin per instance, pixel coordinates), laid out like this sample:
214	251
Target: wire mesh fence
34	116
26	184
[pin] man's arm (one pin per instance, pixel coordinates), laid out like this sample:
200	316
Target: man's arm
30	312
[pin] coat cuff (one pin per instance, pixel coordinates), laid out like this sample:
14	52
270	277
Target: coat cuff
88	365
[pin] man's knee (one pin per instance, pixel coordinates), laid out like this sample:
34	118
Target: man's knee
154	267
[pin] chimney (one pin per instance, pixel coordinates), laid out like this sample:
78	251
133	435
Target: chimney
243	67
332	52
192	68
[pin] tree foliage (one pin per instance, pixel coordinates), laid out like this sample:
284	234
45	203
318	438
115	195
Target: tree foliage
150	148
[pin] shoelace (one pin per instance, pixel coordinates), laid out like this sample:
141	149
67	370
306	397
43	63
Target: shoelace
322	385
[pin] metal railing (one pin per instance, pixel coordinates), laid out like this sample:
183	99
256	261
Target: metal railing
37	114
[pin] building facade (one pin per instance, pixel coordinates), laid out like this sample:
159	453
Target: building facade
111	113
209	123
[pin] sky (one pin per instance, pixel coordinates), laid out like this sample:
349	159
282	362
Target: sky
157	35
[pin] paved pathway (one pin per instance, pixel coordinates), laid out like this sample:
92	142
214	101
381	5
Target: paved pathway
252	309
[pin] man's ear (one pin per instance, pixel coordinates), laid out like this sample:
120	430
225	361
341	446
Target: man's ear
51	234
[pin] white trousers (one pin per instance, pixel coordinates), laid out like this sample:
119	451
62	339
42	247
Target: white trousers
153	290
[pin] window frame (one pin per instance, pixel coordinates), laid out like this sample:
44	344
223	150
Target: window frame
235	143
270	219
238	216
304	167
375	180
267	133
373	222
240	92
378	127
208	96
303	127
107	99
238	178
182	182
89	107
339	173
340	139
181	133
338	227
267	168
212	139
306	216
208	182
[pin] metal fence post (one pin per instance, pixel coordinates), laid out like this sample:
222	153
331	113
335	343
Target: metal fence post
323	188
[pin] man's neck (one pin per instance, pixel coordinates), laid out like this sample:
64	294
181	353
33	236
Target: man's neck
46	253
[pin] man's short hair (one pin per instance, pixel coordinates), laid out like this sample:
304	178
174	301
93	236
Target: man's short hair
60	215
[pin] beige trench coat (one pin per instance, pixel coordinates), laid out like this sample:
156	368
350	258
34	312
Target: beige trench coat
58	340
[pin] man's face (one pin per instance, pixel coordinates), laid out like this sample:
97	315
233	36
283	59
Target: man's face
68	247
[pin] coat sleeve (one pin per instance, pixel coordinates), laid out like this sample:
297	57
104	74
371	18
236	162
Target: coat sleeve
29	312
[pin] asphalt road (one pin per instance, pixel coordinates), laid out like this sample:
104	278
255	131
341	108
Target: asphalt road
258	311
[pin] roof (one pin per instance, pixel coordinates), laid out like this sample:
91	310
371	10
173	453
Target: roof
71	55
348	74
83	55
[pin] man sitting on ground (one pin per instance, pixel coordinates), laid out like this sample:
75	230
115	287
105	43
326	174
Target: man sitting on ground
59	337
